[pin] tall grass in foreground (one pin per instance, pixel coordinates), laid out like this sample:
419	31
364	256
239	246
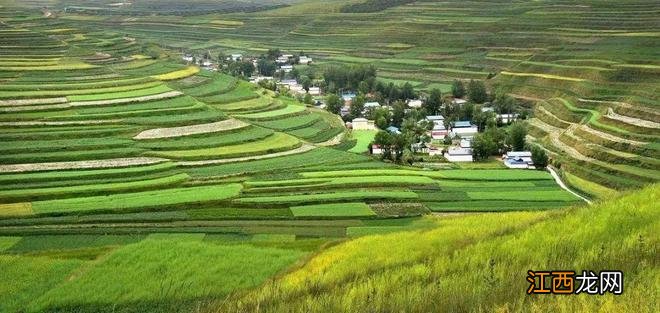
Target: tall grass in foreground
479	263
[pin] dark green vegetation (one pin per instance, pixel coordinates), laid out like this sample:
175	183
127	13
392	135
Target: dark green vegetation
130	182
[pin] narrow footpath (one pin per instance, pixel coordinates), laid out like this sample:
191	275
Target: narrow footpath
563	186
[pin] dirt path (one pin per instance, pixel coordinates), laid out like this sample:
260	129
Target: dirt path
563	186
180	131
632	120
332	142
108	163
301	149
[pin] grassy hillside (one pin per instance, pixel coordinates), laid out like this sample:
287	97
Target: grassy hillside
479	263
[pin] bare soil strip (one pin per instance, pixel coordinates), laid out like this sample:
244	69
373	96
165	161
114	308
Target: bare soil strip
59	123
32	101
632	120
180	131
108	163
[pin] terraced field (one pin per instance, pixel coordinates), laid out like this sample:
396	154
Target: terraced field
605	68
131	181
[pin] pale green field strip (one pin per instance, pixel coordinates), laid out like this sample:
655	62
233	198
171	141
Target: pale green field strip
533	195
226	125
291	122
85	174
275	143
492	175
61	106
331	197
256	158
110	83
546	76
71	94
61	192
351	209
356	181
89	164
496	205
364	138
157	89
260	103
140	200
268	115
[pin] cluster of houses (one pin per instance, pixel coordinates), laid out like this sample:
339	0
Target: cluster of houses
461	133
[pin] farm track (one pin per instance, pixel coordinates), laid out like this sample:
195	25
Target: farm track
230	124
90	164
631	120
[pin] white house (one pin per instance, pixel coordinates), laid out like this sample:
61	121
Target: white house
459	101
256	79
187	57
518	159
207	63
315	91
286	68
507	118
369	105
439	131
464	129
236	57
458	154
415	103
461	153
282	60
361	123
436	119
304	60
376	149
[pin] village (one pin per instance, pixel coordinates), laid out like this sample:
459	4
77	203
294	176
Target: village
444	139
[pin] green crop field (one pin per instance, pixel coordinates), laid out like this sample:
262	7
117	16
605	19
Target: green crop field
133	179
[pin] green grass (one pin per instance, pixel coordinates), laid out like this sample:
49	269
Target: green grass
170	270
364	138
330	197
34	194
490	252
334	210
274	143
139	200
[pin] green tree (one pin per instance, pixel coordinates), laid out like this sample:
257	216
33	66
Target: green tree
334	103
306	82
433	103
408	157
407	91
398	112
458	89
539	157
266	67
272	54
487	143
357	106
477	91
516	136
308	99
383	117
384	140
